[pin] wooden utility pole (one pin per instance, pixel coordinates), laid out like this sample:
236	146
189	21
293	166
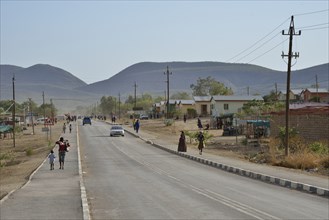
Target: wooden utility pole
290	55
135	85
119	106
14	113
168	73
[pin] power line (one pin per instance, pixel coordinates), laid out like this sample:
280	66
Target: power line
313	12
258	47
258	40
315	25
268	50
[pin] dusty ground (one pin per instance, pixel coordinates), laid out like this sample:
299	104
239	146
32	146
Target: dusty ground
16	164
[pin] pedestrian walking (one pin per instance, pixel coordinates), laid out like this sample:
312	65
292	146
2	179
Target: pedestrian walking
62	149
184	118
51	157
199	123
137	125
201	142
182	144
70	127
64	127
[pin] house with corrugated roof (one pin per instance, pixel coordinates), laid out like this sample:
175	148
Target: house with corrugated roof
183	105
202	105
315	94
294	95
221	105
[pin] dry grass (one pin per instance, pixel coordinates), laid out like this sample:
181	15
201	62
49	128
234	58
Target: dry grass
17	163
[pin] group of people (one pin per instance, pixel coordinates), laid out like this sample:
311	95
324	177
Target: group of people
182	143
63	147
64	127
200	137
136	125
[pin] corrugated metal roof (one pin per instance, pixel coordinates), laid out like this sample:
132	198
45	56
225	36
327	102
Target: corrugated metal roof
186	102
202	98
237	98
319	90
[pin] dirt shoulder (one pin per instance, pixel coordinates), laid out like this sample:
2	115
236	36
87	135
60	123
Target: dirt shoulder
17	163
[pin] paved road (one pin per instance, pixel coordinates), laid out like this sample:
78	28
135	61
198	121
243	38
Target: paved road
126	178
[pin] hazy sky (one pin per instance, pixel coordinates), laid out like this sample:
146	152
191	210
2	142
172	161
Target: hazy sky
94	40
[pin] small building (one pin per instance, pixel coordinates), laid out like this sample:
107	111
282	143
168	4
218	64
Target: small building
294	95
315	94
183	105
202	105
230	104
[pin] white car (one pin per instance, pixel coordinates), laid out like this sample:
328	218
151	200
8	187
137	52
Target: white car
117	130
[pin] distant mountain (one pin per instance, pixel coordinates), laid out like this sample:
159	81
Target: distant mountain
68	91
150	78
30	82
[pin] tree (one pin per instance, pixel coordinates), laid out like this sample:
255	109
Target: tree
272	97
107	104
210	86
180	96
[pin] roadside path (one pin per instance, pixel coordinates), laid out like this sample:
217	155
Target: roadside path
49	194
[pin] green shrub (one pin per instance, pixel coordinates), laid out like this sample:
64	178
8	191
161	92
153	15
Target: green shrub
319	147
168	122
29	152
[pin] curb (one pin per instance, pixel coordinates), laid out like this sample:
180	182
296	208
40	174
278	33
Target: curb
302	187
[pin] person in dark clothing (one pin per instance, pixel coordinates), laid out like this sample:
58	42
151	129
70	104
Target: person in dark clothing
182	144
184	118
201	142
137	125
199	123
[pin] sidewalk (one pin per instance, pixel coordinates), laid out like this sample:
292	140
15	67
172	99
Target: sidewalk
281	176
49	194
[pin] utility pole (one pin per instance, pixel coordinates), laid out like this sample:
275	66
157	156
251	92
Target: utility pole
14	112
317	88
248	90
31	112
290	55
276	91
135	85
44	109
119	106
168	73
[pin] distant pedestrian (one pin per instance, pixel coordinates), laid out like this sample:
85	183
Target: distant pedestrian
70	127
64	127
199	123
201	142
51	157
134	124
137	125
182	144
62	149
184	118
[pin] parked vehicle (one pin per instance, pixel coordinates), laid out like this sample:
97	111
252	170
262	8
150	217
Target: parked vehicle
143	117
41	121
117	130
86	120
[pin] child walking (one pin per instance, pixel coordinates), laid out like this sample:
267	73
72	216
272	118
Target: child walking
51	157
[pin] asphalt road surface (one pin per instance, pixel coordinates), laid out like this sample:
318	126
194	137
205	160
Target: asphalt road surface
126	178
